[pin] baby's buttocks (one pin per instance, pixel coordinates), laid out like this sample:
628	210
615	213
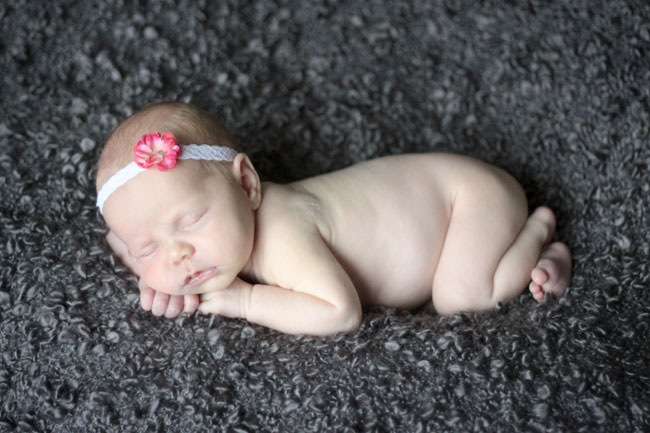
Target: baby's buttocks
386	220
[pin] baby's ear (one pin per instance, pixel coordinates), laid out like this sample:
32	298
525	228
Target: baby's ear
246	175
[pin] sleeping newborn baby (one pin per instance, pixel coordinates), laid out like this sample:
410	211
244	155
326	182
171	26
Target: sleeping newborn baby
187	213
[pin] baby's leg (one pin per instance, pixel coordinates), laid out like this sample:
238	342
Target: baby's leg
491	246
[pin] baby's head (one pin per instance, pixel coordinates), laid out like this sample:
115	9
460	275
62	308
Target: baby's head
187	229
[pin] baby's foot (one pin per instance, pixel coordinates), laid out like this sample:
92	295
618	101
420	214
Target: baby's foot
545	218
553	271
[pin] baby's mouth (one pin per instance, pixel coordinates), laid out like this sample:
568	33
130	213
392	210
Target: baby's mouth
198	277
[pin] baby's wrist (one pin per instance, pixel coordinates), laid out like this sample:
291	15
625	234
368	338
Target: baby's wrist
245	297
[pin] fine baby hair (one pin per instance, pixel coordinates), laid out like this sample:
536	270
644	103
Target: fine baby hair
189	124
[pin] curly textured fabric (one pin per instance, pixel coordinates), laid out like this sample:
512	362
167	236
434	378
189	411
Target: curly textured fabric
190	151
555	92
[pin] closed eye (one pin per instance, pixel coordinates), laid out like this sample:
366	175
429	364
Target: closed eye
148	251
190	221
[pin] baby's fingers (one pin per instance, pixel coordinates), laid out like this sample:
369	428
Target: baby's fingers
146	296
175	306
160	303
191	304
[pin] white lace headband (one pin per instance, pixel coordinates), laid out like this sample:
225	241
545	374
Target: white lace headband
151	151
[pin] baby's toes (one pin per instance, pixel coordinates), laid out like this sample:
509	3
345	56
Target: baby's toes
536	290
539	275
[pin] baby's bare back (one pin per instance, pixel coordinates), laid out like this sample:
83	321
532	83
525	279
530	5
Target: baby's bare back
386	219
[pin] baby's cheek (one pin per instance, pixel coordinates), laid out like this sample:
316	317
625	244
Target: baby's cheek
135	268
153	278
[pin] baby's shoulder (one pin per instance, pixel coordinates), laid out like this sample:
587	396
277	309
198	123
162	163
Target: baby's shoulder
288	203
287	228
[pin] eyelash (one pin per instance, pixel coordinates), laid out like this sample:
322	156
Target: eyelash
195	219
148	251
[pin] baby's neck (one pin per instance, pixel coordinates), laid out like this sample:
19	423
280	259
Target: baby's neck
251	271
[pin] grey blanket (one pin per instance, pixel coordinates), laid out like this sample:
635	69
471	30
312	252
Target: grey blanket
557	93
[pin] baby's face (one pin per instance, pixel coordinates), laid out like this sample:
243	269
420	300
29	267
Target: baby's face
182	231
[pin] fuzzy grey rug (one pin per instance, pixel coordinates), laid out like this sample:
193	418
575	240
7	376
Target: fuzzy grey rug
557	93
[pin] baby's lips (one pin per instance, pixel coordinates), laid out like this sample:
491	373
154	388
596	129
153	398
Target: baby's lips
199	277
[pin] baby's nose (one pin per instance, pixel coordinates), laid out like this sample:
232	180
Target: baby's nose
180	251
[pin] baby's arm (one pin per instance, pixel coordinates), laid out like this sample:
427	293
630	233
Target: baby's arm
314	294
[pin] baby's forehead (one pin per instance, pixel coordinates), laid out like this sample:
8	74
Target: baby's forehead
182	185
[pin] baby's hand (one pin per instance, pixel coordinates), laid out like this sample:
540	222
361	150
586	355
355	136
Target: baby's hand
229	302
162	303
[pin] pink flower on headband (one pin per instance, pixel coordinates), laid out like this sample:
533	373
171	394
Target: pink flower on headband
159	150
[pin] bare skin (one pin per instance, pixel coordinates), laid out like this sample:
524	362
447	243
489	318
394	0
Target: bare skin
396	231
